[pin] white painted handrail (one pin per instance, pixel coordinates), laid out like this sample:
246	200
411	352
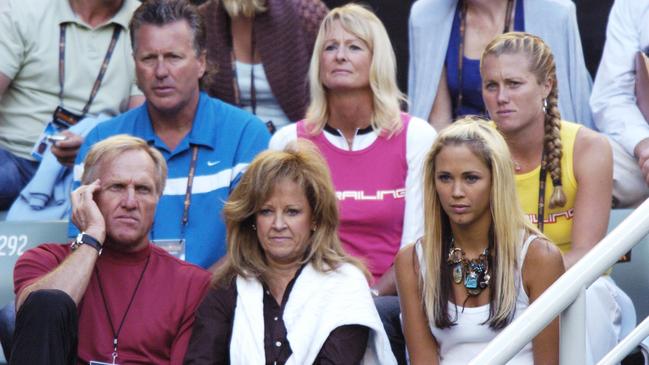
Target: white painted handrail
558	296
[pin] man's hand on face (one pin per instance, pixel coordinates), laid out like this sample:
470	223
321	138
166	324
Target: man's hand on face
66	151
85	212
641	152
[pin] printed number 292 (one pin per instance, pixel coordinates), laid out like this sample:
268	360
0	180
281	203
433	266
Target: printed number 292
12	245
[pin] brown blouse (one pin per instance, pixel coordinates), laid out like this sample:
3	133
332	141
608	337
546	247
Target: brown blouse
210	341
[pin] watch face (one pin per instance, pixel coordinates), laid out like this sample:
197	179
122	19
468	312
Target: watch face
77	241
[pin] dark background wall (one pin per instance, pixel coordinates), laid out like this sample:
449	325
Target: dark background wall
592	16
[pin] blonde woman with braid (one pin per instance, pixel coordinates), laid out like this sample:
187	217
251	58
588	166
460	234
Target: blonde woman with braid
564	171
481	262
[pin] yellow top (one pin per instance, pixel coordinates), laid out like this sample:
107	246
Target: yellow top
558	221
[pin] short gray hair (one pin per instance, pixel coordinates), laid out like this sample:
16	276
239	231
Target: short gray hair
163	12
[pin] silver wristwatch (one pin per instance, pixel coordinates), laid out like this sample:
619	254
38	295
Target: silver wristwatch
86	239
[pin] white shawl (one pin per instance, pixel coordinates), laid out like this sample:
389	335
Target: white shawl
318	304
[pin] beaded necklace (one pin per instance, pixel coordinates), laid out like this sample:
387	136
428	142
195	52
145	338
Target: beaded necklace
474	273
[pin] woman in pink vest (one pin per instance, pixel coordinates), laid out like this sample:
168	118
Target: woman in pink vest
375	152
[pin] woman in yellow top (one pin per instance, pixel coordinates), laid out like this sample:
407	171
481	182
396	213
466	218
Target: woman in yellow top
564	171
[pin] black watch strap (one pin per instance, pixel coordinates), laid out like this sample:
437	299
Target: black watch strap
86	239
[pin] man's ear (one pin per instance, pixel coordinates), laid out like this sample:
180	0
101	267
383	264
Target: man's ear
202	59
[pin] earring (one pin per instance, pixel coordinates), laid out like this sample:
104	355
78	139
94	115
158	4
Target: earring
314	228
545	105
254	228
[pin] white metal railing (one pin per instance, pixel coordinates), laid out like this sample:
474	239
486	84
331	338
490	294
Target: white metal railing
563	292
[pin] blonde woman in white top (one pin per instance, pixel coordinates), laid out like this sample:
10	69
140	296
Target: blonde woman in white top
479	263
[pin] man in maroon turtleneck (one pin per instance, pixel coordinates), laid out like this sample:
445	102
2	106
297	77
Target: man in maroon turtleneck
111	296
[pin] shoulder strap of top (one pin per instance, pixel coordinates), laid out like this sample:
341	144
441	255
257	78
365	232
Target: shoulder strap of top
301	132
419	251
524	248
405	118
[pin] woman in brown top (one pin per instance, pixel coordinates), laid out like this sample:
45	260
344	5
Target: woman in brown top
287	292
260	52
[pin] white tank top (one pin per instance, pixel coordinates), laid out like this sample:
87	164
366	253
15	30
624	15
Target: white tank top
268	108
462	342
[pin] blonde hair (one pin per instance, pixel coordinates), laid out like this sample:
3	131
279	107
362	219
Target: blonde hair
111	147
508	222
246	8
541	64
302	164
387	98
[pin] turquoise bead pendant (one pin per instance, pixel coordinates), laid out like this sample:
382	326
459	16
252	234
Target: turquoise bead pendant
457	273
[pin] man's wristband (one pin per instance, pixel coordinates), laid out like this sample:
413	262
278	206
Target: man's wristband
86	239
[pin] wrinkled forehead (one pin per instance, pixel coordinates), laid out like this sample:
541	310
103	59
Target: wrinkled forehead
132	166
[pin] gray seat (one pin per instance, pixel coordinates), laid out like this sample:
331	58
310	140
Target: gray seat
18	237
15	239
633	276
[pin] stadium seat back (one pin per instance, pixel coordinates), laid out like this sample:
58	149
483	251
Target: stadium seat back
633	276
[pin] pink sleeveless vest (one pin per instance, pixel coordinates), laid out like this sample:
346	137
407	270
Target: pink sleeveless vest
370	188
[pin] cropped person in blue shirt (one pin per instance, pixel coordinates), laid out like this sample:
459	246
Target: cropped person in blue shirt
207	143
447	38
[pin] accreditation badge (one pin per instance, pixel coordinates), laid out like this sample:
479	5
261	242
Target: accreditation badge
174	247
62	119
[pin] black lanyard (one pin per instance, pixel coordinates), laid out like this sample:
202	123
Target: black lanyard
460	59
253	91
188	190
540	219
110	321
102	70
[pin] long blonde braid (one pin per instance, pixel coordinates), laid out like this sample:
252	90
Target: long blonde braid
553	146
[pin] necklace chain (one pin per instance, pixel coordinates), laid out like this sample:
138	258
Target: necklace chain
460	61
